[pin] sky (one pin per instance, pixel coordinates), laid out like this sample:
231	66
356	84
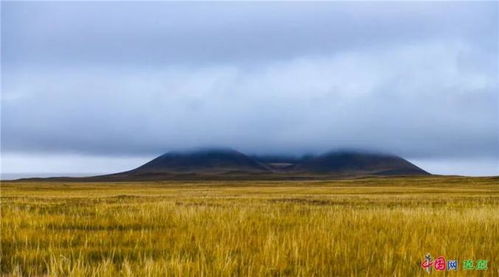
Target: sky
100	87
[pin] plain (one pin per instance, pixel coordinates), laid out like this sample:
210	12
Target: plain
356	227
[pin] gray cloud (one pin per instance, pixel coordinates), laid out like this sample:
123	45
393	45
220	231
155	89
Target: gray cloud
138	79
55	33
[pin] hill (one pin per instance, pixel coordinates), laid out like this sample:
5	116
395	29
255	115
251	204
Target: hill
204	161
223	163
358	163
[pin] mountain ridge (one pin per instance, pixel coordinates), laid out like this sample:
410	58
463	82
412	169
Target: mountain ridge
227	163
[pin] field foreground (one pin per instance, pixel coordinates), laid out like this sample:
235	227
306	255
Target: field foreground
364	227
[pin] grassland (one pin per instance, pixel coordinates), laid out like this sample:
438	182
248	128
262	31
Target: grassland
365	227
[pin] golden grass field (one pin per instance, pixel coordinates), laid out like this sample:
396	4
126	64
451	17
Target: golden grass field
363	227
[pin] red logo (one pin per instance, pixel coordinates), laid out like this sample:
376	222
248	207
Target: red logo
440	263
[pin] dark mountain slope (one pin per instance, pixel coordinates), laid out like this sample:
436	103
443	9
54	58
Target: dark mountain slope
206	161
358	163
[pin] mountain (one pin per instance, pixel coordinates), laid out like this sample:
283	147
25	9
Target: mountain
203	161
358	163
223	163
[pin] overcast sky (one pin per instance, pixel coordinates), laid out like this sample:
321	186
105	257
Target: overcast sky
97	87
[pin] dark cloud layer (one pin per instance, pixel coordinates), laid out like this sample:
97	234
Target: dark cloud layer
134	79
55	33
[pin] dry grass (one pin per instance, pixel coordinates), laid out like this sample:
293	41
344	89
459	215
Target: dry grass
368	227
